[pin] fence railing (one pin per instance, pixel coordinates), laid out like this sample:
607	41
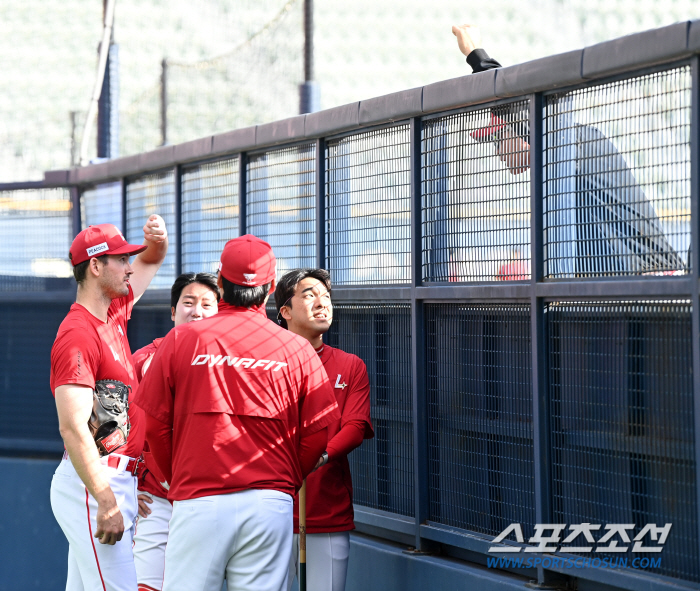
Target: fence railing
513	257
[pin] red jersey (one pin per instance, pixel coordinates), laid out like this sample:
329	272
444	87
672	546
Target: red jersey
149	476
239	392
144	355
329	489
87	349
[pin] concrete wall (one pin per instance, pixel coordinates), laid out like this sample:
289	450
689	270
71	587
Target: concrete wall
33	550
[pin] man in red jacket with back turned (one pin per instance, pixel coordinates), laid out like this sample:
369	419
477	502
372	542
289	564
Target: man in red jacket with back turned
237	415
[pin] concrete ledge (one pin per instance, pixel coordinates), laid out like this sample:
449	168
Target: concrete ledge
332	121
160	158
391	107
459	92
639	50
56	177
694	36
194	150
232	141
376	565
277	132
555	71
124	166
95	172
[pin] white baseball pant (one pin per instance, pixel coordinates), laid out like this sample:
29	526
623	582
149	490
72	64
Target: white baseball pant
150	540
93	566
326	561
245	535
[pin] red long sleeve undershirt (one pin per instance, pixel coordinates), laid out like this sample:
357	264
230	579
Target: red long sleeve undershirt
348	438
160	441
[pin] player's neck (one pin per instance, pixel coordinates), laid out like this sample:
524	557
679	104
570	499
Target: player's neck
94	301
316	340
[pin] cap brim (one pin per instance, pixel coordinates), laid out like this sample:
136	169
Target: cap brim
130	249
488	134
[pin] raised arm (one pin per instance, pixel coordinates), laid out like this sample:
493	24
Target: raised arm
74	405
469	41
147	263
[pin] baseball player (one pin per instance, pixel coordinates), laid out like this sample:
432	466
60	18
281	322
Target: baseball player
237	415
193	297
94	497
617	229
303	298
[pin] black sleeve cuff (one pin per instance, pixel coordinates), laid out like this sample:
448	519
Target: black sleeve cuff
480	61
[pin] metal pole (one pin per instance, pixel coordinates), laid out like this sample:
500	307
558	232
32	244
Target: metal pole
540	398
178	220
309	92
73	143
320	204
164	102
108	102
694	261
242	176
420	417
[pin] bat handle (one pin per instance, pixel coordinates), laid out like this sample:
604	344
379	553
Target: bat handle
302	537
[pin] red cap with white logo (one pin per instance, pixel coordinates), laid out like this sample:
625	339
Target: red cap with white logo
248	261
94	241
489	133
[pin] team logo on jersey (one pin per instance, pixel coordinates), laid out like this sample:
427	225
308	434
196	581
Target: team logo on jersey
212	360
338	384
116	357
249	277
97	249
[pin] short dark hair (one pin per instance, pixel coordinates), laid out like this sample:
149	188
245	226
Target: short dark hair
242	296
80	270
205	279
287	285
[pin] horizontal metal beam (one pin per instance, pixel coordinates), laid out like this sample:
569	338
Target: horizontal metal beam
33	446
22	186
618	287
371	294
384	520
39	297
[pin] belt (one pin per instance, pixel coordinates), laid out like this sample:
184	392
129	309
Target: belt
117	461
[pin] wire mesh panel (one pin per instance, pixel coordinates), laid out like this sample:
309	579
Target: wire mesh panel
620	383
368	207
280	207
153	193
382	468
209	213
617	177
36	231
102	204
480	416
475	195
26	409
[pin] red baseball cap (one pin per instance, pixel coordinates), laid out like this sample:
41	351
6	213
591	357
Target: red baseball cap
248	261
94	241
488	134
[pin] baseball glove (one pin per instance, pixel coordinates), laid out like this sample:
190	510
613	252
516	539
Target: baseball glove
109	422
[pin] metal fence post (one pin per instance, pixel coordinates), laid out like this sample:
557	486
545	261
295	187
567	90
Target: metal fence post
242	176
76	217
320	204
695	264
178	220
420	432
540	398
